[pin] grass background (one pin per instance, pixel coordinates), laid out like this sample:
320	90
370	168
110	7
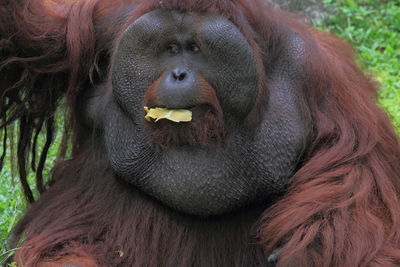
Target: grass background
371	26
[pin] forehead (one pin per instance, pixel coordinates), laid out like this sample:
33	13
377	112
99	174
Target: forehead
177	18
180	21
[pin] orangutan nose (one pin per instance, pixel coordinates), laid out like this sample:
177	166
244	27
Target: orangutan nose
179	74
178	89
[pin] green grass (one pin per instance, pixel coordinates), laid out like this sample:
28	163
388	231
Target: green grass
372	27
12	205
12	202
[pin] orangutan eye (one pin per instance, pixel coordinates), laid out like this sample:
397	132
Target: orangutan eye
173	49
194	48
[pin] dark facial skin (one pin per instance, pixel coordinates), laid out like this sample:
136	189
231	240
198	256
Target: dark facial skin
205	64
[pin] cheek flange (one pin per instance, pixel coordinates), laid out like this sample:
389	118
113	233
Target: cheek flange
232	67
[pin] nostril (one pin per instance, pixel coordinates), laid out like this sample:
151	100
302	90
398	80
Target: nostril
182	76
179	75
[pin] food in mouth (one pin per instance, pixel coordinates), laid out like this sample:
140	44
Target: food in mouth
175	115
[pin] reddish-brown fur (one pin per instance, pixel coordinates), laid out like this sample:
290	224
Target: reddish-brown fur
342	207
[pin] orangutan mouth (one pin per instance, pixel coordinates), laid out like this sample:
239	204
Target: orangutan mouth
197	125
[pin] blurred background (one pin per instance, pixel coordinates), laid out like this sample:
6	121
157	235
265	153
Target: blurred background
371	26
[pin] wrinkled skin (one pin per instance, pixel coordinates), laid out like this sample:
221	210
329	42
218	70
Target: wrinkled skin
163	59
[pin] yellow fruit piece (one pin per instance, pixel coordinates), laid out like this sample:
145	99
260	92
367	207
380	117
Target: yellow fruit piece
175	115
